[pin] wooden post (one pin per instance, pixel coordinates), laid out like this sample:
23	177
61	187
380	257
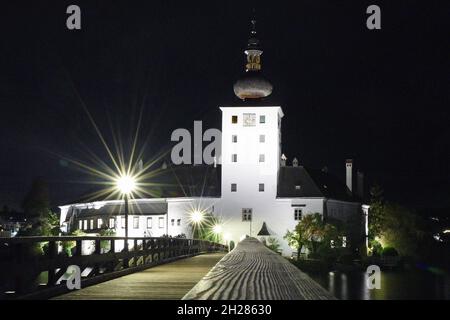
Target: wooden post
52	253
112	245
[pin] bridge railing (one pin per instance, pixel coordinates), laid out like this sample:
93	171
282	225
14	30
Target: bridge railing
33	264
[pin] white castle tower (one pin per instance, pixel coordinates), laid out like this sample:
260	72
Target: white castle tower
251	150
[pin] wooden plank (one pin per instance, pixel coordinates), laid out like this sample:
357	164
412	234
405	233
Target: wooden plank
253	272
169	281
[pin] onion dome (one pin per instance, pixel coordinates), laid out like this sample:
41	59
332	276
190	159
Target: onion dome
252	85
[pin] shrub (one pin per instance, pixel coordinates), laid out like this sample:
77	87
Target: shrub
389	252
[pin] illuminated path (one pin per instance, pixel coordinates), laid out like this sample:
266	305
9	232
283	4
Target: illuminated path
253	272
168	281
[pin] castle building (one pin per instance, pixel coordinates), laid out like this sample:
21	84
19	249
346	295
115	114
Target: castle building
253	192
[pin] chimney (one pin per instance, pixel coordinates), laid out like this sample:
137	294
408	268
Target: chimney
360	184
295	162
348	173
283	160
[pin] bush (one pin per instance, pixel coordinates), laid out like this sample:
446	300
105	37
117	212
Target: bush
389	252
346	258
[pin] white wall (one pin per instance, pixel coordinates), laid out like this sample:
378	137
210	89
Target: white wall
182	208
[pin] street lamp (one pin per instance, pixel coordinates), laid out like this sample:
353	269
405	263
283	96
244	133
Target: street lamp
217	229
196	216
126	185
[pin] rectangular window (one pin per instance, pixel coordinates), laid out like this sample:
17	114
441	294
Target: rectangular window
161	222
178	222
136	222
344	242
172	222
297	214
249	119
233	187
112	223
149	223
262	119
99	223
262	158
261	187
122	222
298	187
234	138
234	119
91	224
234	158
246	214
80	224
85	225
262	138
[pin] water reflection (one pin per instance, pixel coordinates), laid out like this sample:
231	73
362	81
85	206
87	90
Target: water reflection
394	285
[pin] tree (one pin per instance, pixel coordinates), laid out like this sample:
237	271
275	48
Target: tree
392	225
36	203
36	206
273	244
402	230
306	233
376	214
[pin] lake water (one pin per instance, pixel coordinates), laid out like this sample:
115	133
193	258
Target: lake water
420	285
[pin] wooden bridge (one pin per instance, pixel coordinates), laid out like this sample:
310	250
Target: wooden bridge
35	267
250	271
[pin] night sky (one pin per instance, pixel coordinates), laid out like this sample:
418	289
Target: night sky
380	97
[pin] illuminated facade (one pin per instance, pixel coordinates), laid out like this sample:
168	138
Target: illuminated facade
253	186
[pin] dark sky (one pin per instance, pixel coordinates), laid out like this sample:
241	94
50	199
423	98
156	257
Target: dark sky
380	97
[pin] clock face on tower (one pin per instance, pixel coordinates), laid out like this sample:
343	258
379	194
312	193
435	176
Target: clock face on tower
249	119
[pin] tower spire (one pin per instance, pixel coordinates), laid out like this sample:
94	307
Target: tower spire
252	85
253	50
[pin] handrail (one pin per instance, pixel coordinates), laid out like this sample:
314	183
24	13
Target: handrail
74	238
20	265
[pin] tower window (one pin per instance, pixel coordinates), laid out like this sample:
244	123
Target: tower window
172	222
262	158
178	222
234	119
262	119
249	119
297	214
135	222
247	214
233	187
234	138
261	187
262	138
234	158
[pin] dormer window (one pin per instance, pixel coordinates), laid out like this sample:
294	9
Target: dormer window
298	187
